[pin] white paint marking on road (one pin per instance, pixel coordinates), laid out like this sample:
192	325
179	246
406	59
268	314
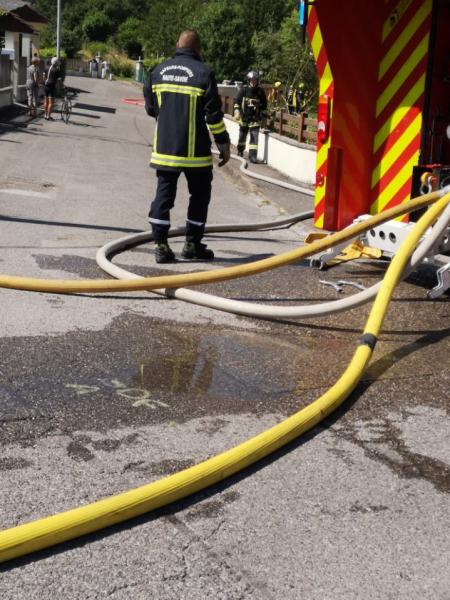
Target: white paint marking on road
29	193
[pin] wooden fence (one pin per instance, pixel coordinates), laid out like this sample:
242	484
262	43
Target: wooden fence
78	65
299	126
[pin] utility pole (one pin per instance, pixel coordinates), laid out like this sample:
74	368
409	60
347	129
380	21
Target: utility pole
58	28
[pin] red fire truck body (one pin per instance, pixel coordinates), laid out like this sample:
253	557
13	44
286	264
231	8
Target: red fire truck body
384	103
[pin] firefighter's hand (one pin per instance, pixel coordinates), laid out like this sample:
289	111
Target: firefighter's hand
237	115
224	153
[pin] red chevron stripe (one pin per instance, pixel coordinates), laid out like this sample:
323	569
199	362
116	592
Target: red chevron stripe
405	53
312	21
411	149
395	101
405	18
399	196
397	133
319	209
321	61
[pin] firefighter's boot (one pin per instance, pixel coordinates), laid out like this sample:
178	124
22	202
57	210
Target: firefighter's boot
163	253
196	250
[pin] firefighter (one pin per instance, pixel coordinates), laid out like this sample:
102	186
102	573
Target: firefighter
300	97
292	100
250	109
181	93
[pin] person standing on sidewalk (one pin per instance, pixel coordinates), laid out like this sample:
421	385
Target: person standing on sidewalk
181	93
33	78
50	88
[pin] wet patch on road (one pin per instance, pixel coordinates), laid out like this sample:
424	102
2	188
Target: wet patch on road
10	463
382	441
369	508
141	371
210	509
70	263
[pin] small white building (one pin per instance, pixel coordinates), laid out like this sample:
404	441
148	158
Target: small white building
19	40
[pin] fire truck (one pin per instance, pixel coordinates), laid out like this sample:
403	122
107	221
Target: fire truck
384	103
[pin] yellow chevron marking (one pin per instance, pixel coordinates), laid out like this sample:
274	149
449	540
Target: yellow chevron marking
319	222
403	218
399	113
402	75
399	180
326	79
397	149
404	38
320	193
322	156
394	17
316	42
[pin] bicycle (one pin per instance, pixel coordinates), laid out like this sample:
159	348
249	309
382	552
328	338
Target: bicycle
66	106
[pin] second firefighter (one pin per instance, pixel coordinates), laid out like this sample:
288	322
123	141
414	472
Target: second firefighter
250	109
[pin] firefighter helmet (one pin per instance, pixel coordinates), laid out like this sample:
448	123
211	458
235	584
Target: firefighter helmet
253	75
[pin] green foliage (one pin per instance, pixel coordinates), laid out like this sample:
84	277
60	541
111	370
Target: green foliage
151	63
48	35
129	37
50	52
226	39
282	57
122	67
98	49
70	41
164	22
236	34
265	15
96	27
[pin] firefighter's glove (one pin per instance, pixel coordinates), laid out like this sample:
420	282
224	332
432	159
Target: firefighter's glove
237	115
224	153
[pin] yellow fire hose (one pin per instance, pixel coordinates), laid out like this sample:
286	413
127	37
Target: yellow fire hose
49	531
170	281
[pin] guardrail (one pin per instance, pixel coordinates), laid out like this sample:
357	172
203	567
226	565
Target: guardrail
299	127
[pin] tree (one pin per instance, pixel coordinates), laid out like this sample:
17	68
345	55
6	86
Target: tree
226	39
96	27
265	15
296	61
70	41
165	21
130	37
282	56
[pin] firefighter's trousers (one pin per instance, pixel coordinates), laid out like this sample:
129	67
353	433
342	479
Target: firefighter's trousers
254	135
199	186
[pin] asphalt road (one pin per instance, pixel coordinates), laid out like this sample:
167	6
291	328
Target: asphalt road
99	394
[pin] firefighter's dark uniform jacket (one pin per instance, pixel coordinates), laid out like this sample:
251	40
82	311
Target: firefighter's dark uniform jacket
251	102
182	95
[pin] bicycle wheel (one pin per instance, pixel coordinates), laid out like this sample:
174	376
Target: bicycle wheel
66	109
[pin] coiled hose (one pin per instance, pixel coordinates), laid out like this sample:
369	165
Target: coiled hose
198	278
265	311
52	530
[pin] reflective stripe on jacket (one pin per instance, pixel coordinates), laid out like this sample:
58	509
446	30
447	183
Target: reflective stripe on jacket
182	95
